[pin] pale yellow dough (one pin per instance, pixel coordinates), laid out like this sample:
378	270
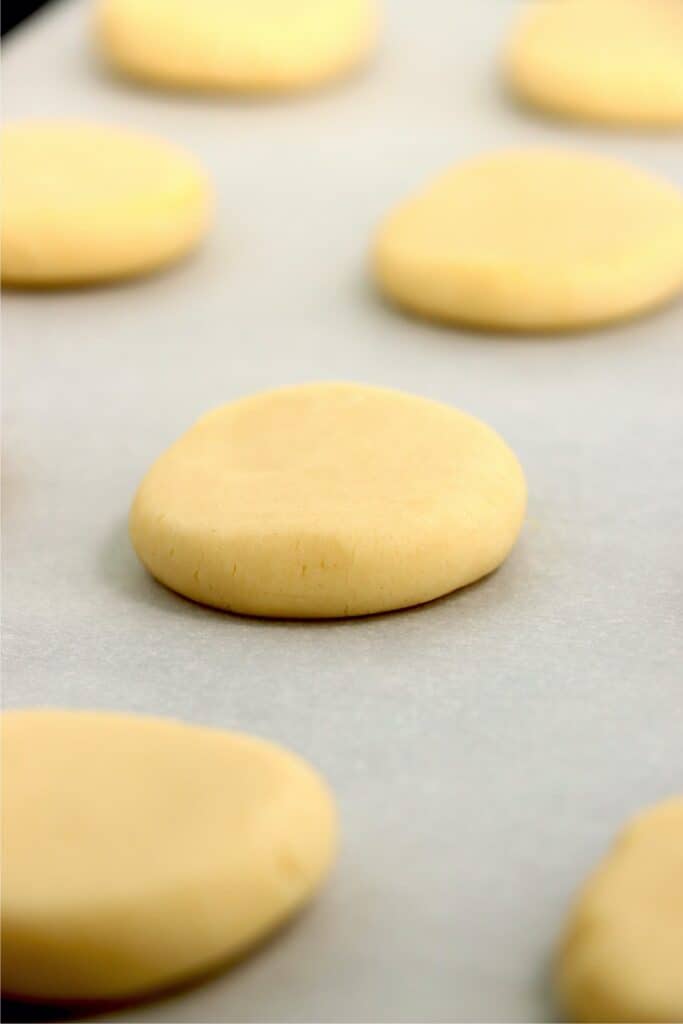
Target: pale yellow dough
622	957
249	46
138	852
613	61
84	202
535	239
328	500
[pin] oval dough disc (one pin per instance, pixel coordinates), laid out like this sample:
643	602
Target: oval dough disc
85	202
534	240
233	45
622	957
328	500
138	852
614	61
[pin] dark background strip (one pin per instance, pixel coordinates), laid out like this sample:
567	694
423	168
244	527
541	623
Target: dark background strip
15	11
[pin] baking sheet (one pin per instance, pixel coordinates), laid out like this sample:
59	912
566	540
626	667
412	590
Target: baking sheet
483	748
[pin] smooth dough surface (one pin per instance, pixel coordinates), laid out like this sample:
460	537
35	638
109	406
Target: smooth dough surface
535	239
138	852
84	202
613	61
622	956
235	45
328	500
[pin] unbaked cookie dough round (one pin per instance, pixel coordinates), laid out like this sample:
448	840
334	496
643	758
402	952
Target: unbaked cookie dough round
138	852
84	202
622	956
328	500
613	61
535	239
248	46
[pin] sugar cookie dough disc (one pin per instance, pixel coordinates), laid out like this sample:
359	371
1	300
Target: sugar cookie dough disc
237	45
138	852
85	202
328	500
622	958
534	240
615	61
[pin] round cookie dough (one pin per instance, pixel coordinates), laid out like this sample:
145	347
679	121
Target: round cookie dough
622	956
328	500
138	852
534	240
232	45
84	203
613	61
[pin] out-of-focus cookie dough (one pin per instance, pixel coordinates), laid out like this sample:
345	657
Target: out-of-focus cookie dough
614	61
622	956
328	500
246	46
535	239
84	202
138	852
